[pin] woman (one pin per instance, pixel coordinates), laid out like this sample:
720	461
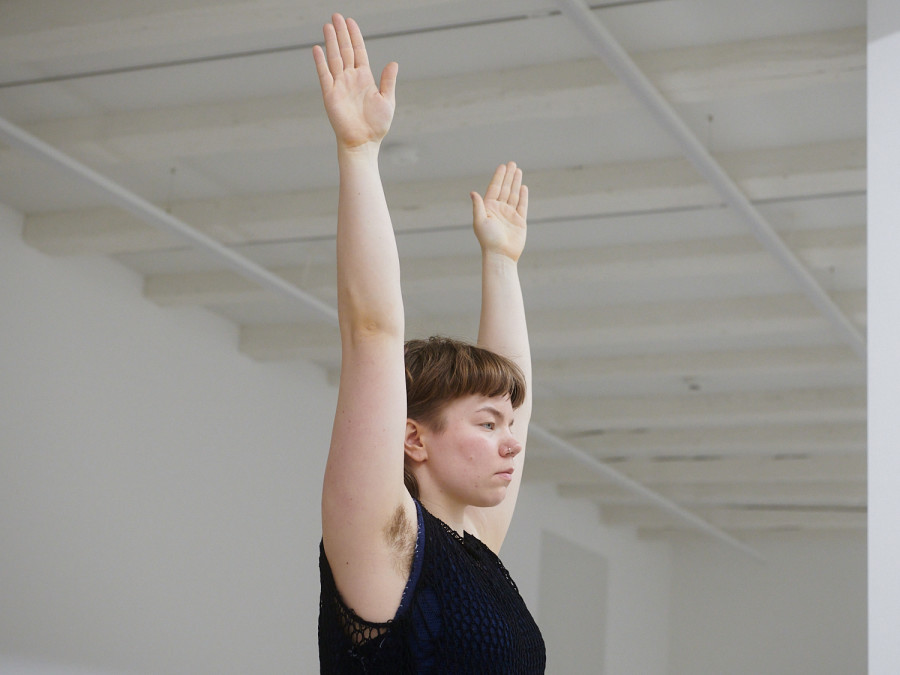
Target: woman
410	578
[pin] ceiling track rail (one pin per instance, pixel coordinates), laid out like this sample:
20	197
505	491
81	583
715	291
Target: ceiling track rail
664	503
297	47
160	219
624	67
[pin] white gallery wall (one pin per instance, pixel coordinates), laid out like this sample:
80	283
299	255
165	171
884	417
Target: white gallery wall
884	334
159	492
802	611
637	578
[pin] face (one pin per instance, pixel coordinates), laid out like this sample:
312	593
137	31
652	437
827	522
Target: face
471	460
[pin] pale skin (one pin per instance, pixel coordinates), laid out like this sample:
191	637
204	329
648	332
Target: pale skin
469	473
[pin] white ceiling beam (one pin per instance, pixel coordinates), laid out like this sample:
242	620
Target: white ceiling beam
789	368
47	31
713	329
783	440
749	469
838	493
722	409
648	262
717	371
738	520
627	272
595	191
746	323
558	91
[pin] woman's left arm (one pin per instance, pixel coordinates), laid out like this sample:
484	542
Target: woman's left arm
499	221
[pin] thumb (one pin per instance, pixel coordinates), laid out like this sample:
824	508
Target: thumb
388	84
478	212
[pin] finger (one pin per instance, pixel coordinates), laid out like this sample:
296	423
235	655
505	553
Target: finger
343	40
493	188
332	52
325	79
514	188
389	81
507	181
522	208
360	57
478	212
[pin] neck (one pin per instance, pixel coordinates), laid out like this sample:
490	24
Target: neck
454	515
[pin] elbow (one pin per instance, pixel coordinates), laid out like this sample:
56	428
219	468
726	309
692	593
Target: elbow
364	316
365	328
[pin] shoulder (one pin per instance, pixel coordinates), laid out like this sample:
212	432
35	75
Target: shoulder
484	529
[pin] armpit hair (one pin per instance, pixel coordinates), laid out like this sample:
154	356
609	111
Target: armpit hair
401	537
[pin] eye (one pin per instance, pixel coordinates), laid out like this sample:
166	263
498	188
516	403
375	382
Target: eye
488	425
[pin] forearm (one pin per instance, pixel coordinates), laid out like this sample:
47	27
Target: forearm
369	298
502	327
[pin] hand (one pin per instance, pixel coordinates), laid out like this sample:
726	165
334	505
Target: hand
359	112
499	219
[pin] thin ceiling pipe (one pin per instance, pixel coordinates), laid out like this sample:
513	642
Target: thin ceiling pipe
156	217
294	47
618	60
655	498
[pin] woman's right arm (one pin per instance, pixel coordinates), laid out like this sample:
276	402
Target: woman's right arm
363	495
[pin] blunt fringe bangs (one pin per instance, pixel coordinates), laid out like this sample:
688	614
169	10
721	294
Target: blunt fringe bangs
440	370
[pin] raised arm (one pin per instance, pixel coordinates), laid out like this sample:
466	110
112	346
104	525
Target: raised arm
363	491
500	224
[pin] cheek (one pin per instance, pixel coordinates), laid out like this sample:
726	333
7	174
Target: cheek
468	456
471	450
479	450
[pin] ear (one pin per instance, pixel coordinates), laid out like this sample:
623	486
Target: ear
413	444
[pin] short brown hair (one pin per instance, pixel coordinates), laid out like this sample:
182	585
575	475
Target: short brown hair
440	370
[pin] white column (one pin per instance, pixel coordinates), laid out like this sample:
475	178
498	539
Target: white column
884	335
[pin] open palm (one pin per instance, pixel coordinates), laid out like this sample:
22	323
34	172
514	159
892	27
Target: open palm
500	216
359	111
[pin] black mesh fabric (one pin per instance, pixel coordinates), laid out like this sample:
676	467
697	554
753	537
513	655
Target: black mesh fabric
461	613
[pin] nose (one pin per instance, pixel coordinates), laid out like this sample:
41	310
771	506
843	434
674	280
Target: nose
511	448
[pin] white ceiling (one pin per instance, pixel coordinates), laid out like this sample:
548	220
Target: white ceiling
670	345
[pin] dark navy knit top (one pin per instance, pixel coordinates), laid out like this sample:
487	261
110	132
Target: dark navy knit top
460	613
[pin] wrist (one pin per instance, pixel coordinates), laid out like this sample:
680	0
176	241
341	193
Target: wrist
364	151
499	258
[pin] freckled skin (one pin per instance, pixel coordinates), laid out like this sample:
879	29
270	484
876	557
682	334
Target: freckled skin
464	459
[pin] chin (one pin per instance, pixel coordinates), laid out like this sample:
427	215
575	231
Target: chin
487	501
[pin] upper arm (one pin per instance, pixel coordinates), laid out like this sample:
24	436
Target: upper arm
364	473
363	486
